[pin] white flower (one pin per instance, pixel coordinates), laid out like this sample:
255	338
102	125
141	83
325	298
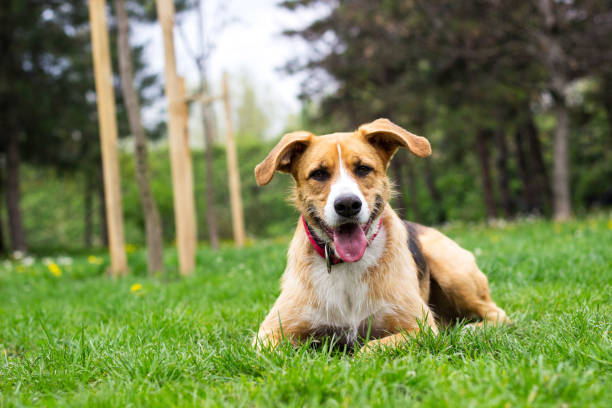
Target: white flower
27	261
64	260
18	254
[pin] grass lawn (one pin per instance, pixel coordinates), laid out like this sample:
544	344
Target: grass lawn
81	338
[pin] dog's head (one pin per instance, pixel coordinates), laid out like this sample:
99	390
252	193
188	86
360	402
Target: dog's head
341	179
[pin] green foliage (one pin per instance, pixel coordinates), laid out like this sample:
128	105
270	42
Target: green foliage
252	112
53	203
53	209
86	340
54	213
451	71
463	71
591	155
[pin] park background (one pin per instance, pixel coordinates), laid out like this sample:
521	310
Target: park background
495	87
515	97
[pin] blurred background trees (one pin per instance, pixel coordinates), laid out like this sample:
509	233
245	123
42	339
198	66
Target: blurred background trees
516	98
489	78
49	110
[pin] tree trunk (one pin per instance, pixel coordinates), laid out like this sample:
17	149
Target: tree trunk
209	137
88	210
3	245
482	151
562	205
434	193
557	63
502	173
398	176
152	221
16	229
209	126
529	192
608	108
102	208
539	171
606	90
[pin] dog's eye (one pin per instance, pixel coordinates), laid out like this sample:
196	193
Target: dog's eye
319	175
363	170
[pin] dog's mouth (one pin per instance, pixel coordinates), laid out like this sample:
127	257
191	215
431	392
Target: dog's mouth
350	240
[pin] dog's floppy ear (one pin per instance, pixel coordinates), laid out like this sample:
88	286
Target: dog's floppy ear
387	137
287	149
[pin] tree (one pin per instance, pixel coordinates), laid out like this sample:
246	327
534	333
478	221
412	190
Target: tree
200	59
569	40
421	72
37	42
46	86
252	120
153	231
556	62
12	195
471	65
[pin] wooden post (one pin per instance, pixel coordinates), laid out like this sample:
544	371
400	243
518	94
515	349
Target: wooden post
180	156
192	226
108	135
232	170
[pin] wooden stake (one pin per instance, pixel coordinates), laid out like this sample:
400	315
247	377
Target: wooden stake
180	156
108	135
192	226
232	170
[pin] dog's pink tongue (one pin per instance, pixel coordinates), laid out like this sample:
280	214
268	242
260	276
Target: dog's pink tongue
350	242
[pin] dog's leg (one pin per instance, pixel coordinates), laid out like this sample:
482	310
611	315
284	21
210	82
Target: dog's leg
273	330
472	295
391	341
462	283
490	314
283	322
406	329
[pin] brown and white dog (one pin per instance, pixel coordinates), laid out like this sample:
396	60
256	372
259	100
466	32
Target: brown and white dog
354	268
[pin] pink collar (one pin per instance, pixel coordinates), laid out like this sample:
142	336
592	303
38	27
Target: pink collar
322	247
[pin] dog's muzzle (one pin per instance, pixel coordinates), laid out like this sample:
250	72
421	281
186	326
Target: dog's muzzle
347	205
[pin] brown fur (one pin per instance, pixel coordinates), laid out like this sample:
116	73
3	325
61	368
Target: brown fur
420	275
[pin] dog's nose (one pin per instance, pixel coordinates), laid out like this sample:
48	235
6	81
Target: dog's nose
347	205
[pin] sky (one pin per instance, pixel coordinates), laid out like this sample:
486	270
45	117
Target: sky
248	41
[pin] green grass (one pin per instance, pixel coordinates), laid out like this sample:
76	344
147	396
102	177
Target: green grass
84	339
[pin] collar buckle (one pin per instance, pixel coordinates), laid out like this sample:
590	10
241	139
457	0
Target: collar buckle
328	257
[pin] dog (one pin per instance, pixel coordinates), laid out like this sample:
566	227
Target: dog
355	271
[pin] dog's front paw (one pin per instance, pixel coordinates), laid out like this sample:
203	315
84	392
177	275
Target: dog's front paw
368	348
266	340
263	342
393	341
379	344
256	343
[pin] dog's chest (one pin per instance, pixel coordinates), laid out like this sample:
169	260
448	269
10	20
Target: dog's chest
344	301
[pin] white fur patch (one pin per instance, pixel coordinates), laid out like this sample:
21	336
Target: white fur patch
345	184
344	298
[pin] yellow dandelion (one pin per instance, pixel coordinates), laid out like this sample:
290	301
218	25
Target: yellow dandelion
135	288
610	224
20	268
54	269
129	248
94	260
494	238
